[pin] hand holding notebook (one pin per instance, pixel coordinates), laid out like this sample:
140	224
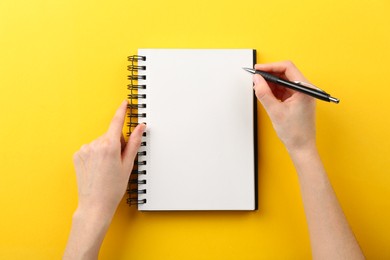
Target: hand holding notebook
102	171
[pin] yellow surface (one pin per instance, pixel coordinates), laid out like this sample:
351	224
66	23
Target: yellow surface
63	74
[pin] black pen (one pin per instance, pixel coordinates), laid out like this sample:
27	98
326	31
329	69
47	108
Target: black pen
302	87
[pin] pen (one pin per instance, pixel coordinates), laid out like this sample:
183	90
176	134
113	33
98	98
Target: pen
302	87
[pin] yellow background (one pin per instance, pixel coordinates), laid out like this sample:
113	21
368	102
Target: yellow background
63	74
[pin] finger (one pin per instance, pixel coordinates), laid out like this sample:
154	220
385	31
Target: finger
263	92
116	125
281	93
286	68
132	147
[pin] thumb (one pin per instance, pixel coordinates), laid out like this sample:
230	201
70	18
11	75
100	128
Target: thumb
131	149
263	92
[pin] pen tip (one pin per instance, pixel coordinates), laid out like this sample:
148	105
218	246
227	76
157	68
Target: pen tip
334	100
249	70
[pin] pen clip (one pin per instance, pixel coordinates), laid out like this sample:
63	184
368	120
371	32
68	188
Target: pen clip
305	84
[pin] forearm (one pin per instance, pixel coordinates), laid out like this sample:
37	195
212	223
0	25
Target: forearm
103	169
330	234
86	235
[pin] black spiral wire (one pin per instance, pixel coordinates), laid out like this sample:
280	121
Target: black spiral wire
134	117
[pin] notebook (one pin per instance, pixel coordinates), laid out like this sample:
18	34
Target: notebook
199	148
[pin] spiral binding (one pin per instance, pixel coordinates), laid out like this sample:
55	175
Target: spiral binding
134	117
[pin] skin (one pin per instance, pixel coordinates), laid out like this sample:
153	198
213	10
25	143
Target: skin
293	118
103	168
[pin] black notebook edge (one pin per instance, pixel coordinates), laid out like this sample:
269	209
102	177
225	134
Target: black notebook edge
255	145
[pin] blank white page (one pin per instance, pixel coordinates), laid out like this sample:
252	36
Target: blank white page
200	130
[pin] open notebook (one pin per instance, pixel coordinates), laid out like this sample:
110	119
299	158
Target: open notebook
199	151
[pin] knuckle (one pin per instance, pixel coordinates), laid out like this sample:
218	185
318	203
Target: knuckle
109	145
76	156
82	153
95	143
105	143
259	93
84	149
289	64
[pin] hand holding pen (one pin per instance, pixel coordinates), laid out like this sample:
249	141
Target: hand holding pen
293	116
303	87
292	113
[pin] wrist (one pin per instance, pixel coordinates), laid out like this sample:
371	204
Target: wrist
305	152
97	207
87	234
307	162
93	215
297	140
